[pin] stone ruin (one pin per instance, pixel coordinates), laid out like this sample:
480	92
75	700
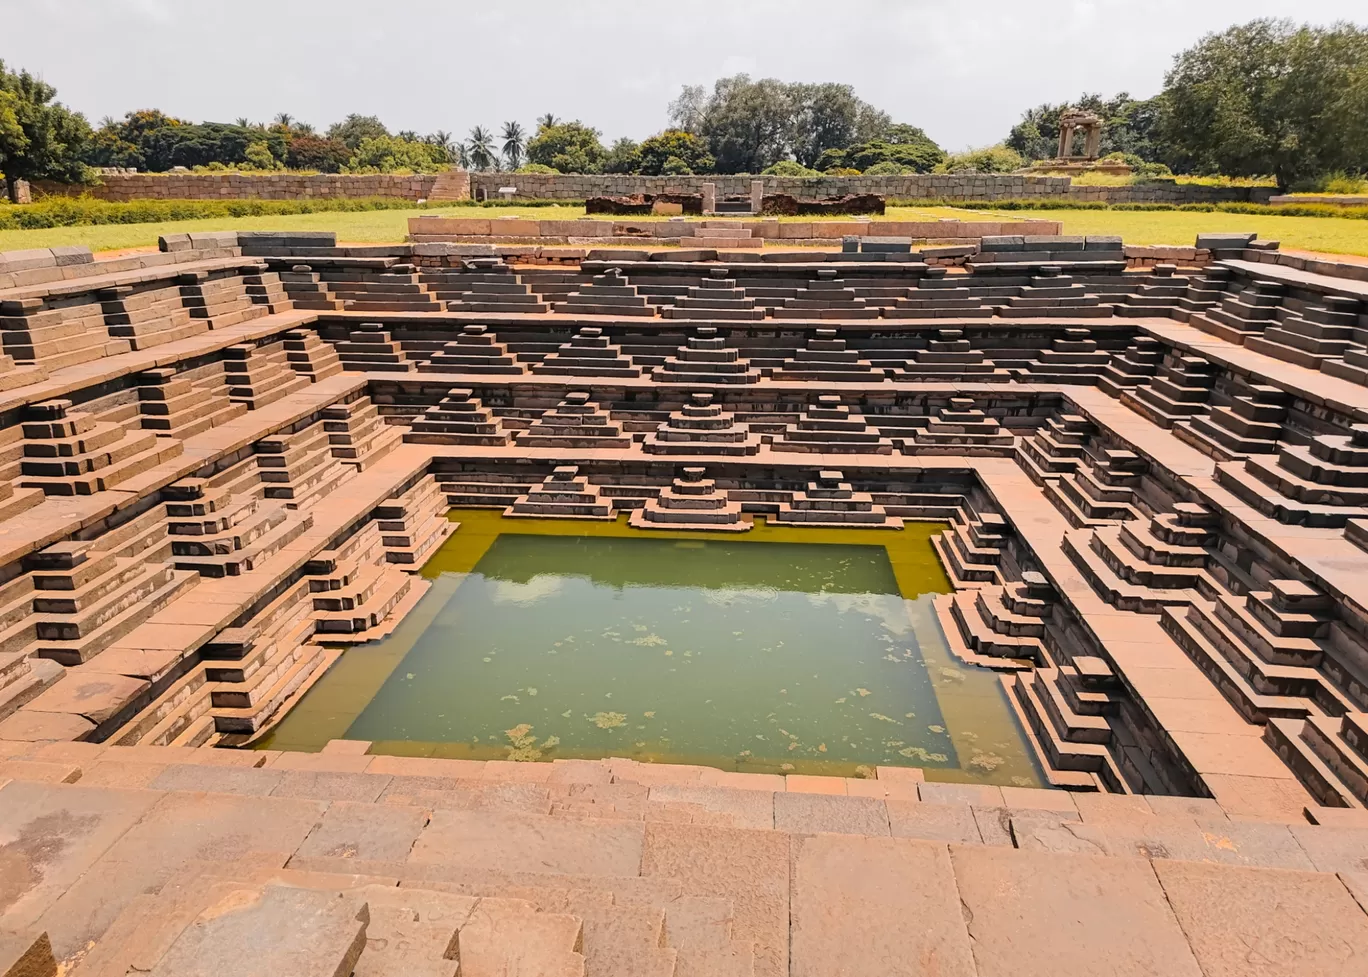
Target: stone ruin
227	463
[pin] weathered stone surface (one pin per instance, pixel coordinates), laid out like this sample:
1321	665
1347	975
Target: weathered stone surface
813	813
1264	922
933	822
1107	915
50	836
274	931
177	829
476	839
876	907
750	868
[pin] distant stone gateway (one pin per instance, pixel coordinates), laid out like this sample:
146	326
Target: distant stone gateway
1143	472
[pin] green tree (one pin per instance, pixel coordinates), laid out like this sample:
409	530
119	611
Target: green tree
1128	126
388	154
40	139
1269	97
309	152
513	140
747	124
481	147
830	116
258	156
624	156
677	144
567	147
355	128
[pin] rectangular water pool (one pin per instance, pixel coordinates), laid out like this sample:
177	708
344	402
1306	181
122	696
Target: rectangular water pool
791	650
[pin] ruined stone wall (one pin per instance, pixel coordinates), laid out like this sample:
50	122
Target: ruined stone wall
968	186
122	187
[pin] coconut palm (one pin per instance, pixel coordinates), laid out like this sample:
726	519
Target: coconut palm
481	147
513	138
285	120
547	121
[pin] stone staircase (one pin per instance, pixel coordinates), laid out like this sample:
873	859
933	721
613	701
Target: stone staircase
1177	392
1323	483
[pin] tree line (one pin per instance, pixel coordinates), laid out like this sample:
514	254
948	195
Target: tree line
1264	99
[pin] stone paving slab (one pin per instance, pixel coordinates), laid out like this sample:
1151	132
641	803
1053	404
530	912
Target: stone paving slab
802	813
50	836
876	907
281	930
177	829
1030	913
479	839
1247	923
751	868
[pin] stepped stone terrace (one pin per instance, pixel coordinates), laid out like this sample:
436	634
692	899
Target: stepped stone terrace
1144	473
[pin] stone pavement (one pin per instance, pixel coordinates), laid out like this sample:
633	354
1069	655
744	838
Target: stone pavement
169	860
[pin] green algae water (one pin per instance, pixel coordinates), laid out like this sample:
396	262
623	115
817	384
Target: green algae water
783	650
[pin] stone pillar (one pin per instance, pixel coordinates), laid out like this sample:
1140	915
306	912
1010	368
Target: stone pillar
1066	132
757	195
709	198
1094	142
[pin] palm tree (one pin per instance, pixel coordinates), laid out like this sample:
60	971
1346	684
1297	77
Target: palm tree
513	137
408	135
547	121
242	122
284	120
482	155
460	155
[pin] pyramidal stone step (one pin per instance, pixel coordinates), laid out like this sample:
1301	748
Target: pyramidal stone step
691	501
706	359
589	353
701	427
607	294
458	418
576	422
564	494
474	350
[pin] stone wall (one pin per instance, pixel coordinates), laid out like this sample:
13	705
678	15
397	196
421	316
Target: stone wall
122	187
457	184
547	186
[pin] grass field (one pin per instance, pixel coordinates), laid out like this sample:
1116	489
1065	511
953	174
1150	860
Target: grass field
1337	235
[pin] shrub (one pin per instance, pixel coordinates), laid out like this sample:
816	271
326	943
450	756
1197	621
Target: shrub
258	157
536	168
915	157
83	211
888	168
389	154
674	166
788	167
994	159
843	171
655	153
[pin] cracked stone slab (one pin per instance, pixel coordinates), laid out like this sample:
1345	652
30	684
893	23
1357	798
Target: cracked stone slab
882	907
1034	914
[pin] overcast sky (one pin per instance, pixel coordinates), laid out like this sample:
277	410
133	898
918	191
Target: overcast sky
964	71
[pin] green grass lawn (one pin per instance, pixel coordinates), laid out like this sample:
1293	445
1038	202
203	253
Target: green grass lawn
1332	234
1338	235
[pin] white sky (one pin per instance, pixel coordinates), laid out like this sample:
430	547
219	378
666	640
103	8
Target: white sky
964	70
